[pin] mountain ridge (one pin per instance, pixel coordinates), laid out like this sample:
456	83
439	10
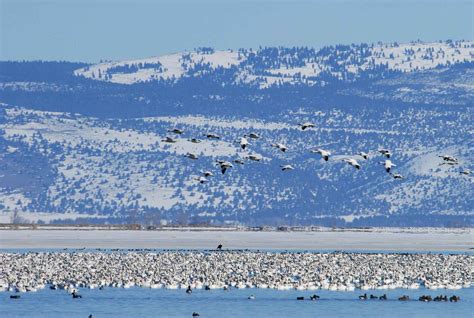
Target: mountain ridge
277	65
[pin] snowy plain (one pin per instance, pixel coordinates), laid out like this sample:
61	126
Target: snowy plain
394	239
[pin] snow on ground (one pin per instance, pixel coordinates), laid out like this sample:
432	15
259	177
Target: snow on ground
55	128
369	240
198	121
404	57
218	58
425	55
33	217
12	201
173	67
430	164
310	69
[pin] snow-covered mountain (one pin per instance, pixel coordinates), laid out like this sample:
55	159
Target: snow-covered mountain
273	66
76	144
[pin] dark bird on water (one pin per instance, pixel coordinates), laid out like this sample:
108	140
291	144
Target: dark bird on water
76	295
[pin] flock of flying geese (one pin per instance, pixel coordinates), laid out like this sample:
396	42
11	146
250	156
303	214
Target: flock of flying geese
224	165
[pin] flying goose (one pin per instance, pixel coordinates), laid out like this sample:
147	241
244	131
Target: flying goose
352	162
385	152
239	161
364	155
201	180
212	136
324	153
448	158
169	139
397	176
255	157
207	173
388	164
176	131
243	142
191	156
224	165
282	147
252	135
286	167
306	125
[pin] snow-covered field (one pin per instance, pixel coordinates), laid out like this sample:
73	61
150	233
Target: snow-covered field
347	240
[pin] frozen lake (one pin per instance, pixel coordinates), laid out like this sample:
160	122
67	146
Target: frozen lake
349	240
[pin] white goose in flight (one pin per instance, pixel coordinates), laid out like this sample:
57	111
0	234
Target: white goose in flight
255	157
239	161
287	167
281	147
324	153
224	165
449	158
388	164
201	180
252	135
352	162
385	152
212	136
397	176
191	156
207	173
364	155
176	131
169	139
306	125
243	143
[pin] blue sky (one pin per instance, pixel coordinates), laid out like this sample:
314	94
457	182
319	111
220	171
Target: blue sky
104	29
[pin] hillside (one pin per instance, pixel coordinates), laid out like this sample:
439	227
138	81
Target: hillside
267	67
85	143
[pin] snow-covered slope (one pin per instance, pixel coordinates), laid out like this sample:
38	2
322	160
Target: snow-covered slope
269	66
122	171
167	67
79	146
